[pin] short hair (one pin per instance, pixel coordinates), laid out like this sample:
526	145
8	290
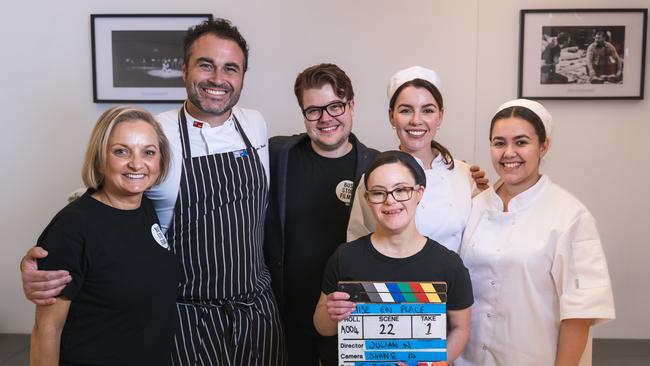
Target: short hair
424	84
317	76
563	37
97	151
525	114
220	28
603	33
400	157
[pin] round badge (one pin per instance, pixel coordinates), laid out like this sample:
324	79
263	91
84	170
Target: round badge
159	236
344	191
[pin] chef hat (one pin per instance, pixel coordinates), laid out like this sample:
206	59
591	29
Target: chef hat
537	108
414	72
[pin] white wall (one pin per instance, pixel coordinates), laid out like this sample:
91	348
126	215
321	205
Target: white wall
598	152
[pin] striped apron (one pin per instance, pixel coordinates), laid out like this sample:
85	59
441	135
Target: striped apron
227	313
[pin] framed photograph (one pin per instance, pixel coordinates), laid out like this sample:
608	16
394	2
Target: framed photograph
137	58
582	53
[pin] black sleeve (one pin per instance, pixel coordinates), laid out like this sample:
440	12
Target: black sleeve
459	291
331	274
65	244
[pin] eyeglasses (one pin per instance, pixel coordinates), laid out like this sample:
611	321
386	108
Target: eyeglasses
334	109
400	194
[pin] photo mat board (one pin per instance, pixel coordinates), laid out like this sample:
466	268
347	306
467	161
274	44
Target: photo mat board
138	57
582	53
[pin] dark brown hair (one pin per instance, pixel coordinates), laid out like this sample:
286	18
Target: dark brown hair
317	76
220	28
423	84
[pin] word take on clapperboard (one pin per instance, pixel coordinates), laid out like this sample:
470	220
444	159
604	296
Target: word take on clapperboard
394	322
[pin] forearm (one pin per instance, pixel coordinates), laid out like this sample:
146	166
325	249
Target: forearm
45	345
46	335
456	342
459	329
324	325
572	341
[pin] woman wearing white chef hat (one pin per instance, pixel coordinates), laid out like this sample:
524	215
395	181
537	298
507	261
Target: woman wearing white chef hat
538	269
415	112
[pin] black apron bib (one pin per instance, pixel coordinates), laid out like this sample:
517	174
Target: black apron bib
227	313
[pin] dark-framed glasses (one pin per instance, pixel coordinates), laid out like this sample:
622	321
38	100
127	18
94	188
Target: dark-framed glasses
334	109
399	194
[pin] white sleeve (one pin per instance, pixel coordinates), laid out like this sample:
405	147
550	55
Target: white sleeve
361	222
580	273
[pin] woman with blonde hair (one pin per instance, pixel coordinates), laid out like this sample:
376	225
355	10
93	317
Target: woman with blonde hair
119	308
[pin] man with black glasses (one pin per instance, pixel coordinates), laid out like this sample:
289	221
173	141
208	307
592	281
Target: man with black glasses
313	177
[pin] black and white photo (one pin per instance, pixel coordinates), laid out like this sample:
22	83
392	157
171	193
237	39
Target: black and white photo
139	57
582	53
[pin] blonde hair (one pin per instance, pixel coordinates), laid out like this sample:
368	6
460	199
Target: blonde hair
96	152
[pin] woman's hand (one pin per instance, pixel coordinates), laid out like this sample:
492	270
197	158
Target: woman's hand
338	307
330	310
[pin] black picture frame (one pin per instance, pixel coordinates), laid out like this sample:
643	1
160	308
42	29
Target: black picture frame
582	53
137	58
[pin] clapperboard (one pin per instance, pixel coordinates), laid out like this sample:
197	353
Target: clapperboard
394	322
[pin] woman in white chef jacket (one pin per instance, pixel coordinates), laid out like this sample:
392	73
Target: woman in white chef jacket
415	112
538	269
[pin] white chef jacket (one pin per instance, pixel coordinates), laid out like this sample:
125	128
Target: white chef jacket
204	140
531	267
441	214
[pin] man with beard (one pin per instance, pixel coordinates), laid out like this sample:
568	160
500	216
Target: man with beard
603	62
212	207
312	182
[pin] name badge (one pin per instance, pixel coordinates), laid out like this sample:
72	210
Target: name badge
159	236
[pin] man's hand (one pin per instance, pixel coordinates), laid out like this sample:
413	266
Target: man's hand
482	182
41	287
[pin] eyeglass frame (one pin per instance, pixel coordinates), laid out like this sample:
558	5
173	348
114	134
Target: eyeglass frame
324	109
410	189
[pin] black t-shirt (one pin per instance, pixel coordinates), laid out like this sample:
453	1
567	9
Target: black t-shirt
123	287
359	261
317	212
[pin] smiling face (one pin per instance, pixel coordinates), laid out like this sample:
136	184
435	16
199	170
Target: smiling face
516	153
393	216
214	77
329	135
132	160
416	117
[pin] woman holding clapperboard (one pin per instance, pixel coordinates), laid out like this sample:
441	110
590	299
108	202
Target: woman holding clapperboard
537	265
396	251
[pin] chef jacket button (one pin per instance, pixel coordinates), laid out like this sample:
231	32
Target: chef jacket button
484	348
492	282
